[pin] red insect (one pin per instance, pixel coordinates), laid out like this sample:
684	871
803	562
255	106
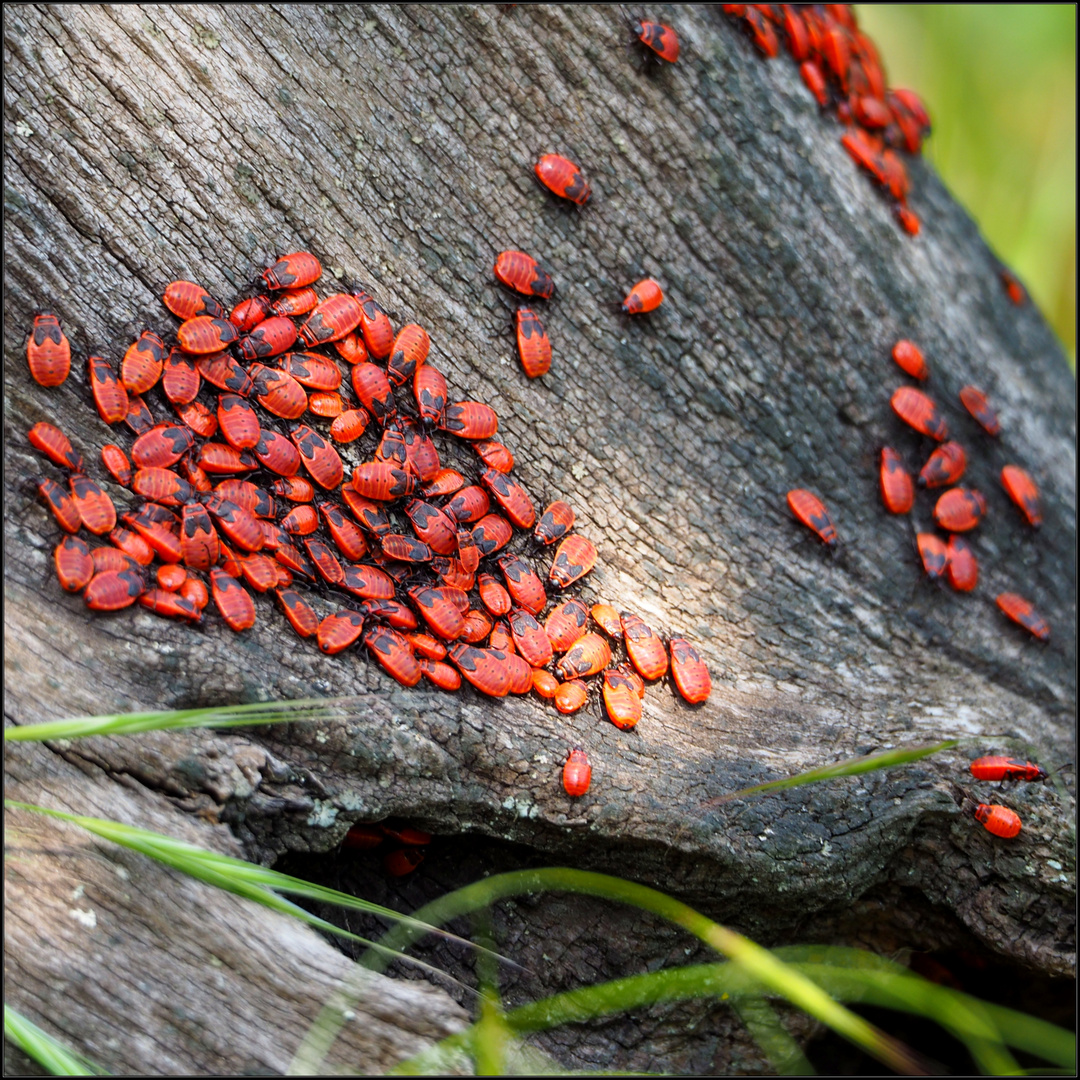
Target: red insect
404	861
238	524
565	625
1003	768
405	549
338	631
375	327
170	605
139	418
645	296
529	639
644	647
238	421
426	645
493	596
909	356
524	586
870	112
661	39
563	178
865	151
162	486
1021	612
59	502
170	577
232	600
897	487
131	543
423	457
162	446
295	301
110	558
109	394
607	618
194	474
961	566
621	701
294	488
221	370
113	590
195	593
55	445
333	319
534	346
469	504
327	404
394	654
349	425
470	420
48	352
279	455
382	481
960	509
520	272
814	79
321	460
577	773
293	271
999	820
407	354
511	497
95	507
254	499
374	391
975	402
142	364
313	371
351	348
1013	288
590	654
574	558
555	522
429	389
944	466
544	683
934	554
203	335
368	583
910	116
160	528
917	410
494	455
278	392
445	482
689	671
761	30
74	564
249	313
570	696
478	624
486	669
1023	491
186	300
260	572
908	221
444	619
810	510
502	639
271	337
433	527
798	36
442	675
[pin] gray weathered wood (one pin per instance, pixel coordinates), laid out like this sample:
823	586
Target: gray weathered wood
149	143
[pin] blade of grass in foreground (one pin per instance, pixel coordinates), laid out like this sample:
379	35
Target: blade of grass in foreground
224	716
249	880
48	1052
758	963
852	767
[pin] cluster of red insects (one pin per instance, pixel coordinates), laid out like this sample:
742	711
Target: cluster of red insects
997	819
270	536
841	68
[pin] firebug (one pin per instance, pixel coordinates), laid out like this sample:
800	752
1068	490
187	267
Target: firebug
563	178
48	352
1023	614
520	272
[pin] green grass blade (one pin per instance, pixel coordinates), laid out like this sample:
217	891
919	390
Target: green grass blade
852	767
48	1052
773	1039
774	976
225	716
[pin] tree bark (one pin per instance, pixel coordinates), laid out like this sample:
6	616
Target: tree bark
148	143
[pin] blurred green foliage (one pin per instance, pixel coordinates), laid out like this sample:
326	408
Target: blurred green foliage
999	83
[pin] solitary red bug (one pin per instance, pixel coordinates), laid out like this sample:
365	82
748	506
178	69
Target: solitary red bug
478	624
238	421
566	623
351	348
529	639
336	317
383	481
469	504
962	568
534	346
644	647
249	313
1013	288
113	590
494	455
1003	768
897	487
160	528
470	420
512	498
562	177
293	271
171	605
374	391
1022	490
48	352
186	300
486	669
375	327
909	356
233	601
162	446
544	683
321	460
110	396
394	654
944	466
574	558
590	654
810	510
960	509
520	272
132	544
162	486
141	367
338	631
295	301
139	418
397	614
442	675
74	564
271	337
917	410
689	671
570	696
199	543
577	773
435	528
645	296
302	520
170	576
429	389
555	522
55	445
221	370
1021	612
607	618
278	392
204	335
933	553
975	402
621	701
95	507
444	619
999	820
661	39
523	584
407	354
908	220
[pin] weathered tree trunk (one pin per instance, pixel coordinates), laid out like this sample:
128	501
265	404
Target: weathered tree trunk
148	143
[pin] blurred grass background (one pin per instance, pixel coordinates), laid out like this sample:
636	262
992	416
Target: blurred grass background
999	83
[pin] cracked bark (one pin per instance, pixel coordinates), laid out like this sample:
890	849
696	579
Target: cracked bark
149	143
